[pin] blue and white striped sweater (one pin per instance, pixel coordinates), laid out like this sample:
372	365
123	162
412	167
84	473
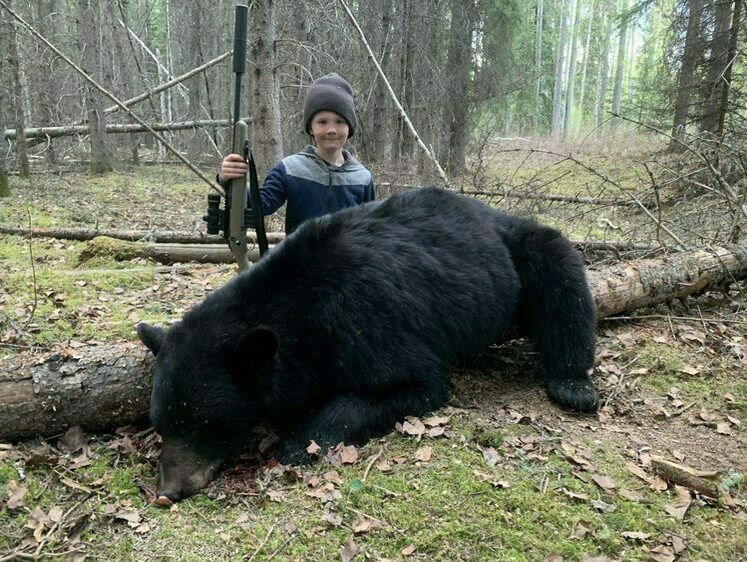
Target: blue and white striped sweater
312	187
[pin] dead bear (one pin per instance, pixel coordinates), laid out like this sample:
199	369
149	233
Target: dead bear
353	322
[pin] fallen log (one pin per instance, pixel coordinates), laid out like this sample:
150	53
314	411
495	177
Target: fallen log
166	237
69	130
172	237
103	386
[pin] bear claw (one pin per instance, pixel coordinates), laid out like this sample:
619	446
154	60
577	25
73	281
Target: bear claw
577	394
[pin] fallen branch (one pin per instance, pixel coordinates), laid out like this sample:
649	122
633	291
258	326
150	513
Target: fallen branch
166	237
103	386
51	132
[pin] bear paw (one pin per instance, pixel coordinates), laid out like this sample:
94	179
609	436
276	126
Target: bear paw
293	452
577	394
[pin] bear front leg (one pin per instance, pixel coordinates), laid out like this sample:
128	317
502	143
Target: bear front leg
354	419
558	312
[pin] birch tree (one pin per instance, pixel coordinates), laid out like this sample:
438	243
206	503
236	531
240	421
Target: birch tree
557	97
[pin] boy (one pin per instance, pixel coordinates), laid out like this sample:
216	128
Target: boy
323	177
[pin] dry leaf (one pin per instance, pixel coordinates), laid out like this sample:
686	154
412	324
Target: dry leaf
690	370
332	476
349	550
423	454
582	530
490	455
723	428
364	525
574	495
313	448
635	535
637	471
333	519
630	495
414	427
658	484
17	495
677	510
434	421
604	482
408	550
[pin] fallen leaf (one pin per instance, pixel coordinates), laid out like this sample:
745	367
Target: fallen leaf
276	496
332	476
313	448
677	510
682	493
349	550
603	506
637	471
723	428
333	519
490	455
423	454
658	484
604	482
17	497
434	421
415	427
581	530
364	525
574	495
690	370
408	550
636	535
630	495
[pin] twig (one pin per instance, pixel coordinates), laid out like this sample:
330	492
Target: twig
370	464
263	543
670	317
33	276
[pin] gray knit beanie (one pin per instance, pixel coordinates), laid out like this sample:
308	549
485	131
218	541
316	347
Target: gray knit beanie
330	93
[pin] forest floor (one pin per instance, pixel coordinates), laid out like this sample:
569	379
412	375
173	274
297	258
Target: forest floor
499	474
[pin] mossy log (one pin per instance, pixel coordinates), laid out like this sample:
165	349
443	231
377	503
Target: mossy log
101	387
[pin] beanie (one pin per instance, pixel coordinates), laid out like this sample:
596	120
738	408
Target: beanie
330	93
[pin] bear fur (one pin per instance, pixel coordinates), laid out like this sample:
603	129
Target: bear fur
353	323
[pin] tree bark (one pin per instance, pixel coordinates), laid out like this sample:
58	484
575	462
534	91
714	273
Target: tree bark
685	80
15	90
538	20
557	96
4	183
101	387
571	79
267	137
733	41
130	235
620	63
716	65
50	132
89	46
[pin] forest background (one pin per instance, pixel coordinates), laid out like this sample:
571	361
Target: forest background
465	72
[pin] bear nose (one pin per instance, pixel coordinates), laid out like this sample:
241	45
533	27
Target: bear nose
173	495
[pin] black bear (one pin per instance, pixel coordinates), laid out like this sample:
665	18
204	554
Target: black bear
353	322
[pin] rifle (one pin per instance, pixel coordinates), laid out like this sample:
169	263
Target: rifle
234	219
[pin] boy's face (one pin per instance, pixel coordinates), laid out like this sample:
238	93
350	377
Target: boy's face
330	131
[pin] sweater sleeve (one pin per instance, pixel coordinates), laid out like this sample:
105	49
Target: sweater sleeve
273	191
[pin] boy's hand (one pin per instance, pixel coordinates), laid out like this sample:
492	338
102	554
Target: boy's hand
232	167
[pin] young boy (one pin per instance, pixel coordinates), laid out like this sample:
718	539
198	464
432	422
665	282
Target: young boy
323	177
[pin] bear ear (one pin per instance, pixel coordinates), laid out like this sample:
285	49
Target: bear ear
151	336
258	346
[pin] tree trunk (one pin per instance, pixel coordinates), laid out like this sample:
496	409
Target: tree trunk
603	70
571	80
539	14
4	184
716	65
267	138
557	95
196	9
585	66
733	42
690	56
404	143
620	63
88	45
10	48
101	387
46	74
